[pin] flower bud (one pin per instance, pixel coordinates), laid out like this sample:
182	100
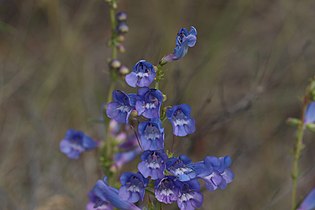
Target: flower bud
121	16
123	70
114	64
120	38
122	28
121	48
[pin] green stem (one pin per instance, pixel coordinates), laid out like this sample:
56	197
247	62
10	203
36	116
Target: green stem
109	140
159	74
112	13
297	154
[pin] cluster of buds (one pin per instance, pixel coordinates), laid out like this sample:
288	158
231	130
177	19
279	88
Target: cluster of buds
121	30
116	66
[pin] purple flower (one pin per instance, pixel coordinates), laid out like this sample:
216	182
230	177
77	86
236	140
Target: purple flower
76	142
151	134
309	116
221	175
189	197
178	166
105	206
181	120
121	158
309	202
133	187
97	204
104	194
153	164
143	74
149	102
184	40
121	107
167	189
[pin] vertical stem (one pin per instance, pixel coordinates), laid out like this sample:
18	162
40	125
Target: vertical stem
109	140
297	154
112	13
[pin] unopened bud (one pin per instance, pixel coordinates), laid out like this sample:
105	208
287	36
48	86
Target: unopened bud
123	70
120	38
121	48
114	64
122	28
121	16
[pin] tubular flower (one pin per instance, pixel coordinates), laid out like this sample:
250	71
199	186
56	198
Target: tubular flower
143	74
149	102
181	120
75	142
121	107
184	40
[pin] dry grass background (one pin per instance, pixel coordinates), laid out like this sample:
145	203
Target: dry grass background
243	79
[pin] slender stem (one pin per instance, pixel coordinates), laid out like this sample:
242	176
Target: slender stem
297	154
112	13
109	140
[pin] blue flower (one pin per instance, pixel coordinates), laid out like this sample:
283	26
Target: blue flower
309	116
151	134
167	189
143	74
181	121
221	175
184	40
309	202
104	194
133	187
149	102
76	142
178	166
121	107
190	197
153	164
97	204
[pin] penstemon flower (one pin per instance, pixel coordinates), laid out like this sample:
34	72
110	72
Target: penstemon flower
221	174
132	187
143	74
104	194
179	167
153	164
121	107
97	204
76	142
149	102
181	120
167	189
190	196
184	40
151	134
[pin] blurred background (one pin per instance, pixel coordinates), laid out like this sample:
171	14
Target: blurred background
244	78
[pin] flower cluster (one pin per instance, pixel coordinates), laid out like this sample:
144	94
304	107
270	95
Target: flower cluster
171	178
